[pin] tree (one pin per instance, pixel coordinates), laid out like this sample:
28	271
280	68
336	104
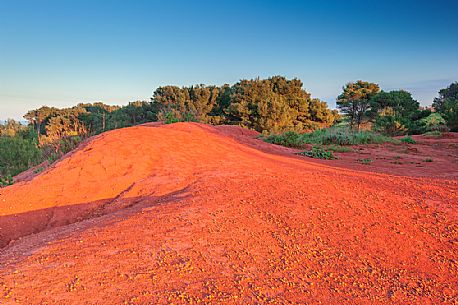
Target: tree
11	128
355	101
96	116
38	117
393	112
447	105
170	99
276	104
319	112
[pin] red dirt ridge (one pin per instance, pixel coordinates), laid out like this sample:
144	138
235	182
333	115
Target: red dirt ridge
188	213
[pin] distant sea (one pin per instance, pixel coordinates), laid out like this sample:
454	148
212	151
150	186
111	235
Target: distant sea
2	122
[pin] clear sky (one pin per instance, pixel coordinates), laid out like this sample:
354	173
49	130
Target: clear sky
60	53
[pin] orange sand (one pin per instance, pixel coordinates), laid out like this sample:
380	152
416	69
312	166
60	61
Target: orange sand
187	214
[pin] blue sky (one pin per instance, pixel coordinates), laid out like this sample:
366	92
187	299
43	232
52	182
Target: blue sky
60	53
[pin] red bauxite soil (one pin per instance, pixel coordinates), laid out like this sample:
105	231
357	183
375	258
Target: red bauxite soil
188	213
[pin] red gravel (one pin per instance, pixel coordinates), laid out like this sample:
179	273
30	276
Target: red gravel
187	213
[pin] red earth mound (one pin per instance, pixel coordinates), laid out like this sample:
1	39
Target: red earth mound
188	213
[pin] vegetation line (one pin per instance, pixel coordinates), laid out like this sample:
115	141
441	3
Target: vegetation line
277	107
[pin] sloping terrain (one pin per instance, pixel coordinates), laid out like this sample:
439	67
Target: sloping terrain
188	213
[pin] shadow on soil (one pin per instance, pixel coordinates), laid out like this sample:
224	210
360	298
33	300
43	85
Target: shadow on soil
25	233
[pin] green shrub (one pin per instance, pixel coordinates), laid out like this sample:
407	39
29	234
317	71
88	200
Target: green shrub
17	155
288	139
408	140
344	137
328	136
318	153
390	125
435	133
5	181
55	150
434	122
428	160
365	161
337	148
170	118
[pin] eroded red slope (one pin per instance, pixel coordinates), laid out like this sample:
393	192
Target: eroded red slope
183	213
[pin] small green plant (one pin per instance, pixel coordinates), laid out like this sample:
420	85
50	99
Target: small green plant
318	153
365	161
428	160
408	140
434	133
38	170
5	181
171	118
189	117
288	139
336	148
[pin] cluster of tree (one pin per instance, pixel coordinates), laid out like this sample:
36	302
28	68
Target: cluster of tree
18	150
11	128
270	105
51	124
267	105
394	112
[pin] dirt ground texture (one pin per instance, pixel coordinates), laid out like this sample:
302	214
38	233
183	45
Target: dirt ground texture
192	214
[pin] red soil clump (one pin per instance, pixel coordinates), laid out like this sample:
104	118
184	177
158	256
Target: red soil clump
188	213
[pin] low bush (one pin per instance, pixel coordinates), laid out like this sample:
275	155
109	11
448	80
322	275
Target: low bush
336	148
435	133
288	139
170	118
55	150
5	181
328	136
365	161
434	122
318	153
408	140
17	155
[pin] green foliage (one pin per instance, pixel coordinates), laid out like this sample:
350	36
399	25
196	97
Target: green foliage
277	105
328	136
390	125
344	137
288	139
196	103
434	122
355	101
17	154
5	181
53	151
447	105
39	170
365	161
11	128
435	133
318	153
408	140
394	112
337	148
170	118
266	105
51	124
398	103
